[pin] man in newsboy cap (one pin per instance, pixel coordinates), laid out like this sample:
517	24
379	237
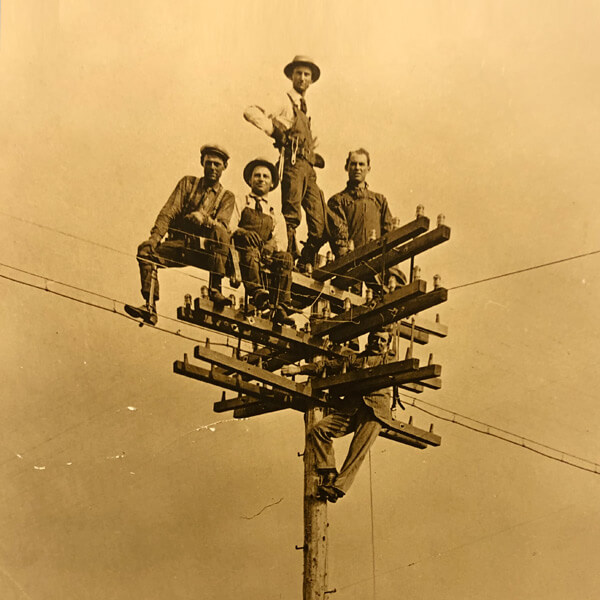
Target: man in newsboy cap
290	127
197	208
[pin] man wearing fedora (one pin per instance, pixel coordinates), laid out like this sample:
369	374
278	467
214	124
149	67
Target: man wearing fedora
290	127
261	239
197	208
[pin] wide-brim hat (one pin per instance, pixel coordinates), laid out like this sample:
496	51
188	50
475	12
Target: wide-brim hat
214	149
300	60
261	162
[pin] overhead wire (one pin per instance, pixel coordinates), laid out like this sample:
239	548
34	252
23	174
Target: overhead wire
131	255
524	270
178	333
497	432
455	287
453	417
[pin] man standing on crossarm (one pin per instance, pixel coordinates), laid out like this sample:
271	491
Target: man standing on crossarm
198	207
357	211
290	127
261	242
362	414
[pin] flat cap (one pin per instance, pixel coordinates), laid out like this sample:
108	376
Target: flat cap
214	149
261	162
303	61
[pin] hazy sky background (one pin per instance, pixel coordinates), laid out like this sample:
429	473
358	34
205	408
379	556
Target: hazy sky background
488	112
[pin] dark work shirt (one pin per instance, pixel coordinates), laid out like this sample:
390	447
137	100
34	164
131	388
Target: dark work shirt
190	195
356	212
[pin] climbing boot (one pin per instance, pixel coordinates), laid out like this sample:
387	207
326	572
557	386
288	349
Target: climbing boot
146	312
260	298
281	317
218	299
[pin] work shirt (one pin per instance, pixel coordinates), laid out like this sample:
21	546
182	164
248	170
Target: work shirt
191	194
283	113
357	211
379	400
278	238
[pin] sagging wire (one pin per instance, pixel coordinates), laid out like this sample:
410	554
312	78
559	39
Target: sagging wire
486	429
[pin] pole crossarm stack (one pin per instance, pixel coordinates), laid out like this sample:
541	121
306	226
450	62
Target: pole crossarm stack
348	297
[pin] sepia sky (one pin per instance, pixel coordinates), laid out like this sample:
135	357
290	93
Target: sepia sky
117	480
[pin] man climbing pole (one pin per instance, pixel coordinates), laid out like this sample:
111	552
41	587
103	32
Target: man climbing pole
362	414
198	207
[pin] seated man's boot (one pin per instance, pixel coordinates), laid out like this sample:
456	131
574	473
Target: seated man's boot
260	298
146	312
281	317
219	300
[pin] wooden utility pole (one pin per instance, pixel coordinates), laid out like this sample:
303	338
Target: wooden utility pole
315	519
339	315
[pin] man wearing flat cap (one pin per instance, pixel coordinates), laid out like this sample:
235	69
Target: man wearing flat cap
290	127
261	240
198	208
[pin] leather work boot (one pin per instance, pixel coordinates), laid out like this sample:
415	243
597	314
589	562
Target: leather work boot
146	312
281	317
329	493
260	298
218	299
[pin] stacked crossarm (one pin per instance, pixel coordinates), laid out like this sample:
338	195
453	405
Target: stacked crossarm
250	370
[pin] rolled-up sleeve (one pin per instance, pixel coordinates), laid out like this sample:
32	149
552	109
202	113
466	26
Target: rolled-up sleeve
226	208
172	208
387	222
338	219
279	231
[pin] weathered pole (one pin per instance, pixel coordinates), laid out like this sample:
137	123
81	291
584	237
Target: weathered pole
315	520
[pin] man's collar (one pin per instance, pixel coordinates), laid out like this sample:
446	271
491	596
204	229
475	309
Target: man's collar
296	96
264	198
205	186
357	186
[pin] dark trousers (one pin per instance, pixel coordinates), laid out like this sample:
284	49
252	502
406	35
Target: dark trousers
299	190
366	428
280	267
183	252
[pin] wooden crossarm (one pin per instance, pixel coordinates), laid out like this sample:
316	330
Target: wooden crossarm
305	290
362	376
427	326
389	314
414	376
398	436
356	313
410	430
378	382
372	249
230	321
254	373
365	269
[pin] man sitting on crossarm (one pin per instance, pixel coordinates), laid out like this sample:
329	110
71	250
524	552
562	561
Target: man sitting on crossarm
261	240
